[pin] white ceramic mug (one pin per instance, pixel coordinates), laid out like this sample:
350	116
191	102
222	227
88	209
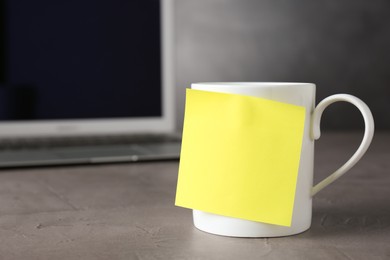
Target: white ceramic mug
301	94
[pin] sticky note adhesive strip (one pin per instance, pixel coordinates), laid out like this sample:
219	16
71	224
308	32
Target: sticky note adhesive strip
240	156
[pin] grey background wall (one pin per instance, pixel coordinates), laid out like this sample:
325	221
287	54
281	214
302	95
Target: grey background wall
342	46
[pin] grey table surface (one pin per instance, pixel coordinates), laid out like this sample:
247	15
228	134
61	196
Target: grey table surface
126	211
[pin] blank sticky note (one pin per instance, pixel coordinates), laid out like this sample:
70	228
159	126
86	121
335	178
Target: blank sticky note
240	156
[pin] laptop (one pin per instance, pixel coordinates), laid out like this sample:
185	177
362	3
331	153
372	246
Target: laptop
86	82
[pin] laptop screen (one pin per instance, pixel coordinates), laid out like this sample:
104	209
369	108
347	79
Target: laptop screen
80	59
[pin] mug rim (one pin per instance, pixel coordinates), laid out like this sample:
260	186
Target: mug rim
255	84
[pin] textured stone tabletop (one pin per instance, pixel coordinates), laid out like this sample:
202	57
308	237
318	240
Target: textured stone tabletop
126	211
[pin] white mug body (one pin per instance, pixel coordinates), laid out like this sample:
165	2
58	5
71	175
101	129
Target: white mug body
301	94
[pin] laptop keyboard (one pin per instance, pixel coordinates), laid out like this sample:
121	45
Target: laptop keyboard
85	141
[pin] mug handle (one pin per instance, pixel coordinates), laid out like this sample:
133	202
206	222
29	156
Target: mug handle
367	138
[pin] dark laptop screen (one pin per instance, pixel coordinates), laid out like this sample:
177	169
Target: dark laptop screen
80	59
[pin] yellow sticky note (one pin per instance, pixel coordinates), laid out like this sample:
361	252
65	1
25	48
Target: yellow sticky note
240	156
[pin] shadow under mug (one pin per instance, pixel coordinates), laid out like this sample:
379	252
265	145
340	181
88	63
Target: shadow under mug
301	94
